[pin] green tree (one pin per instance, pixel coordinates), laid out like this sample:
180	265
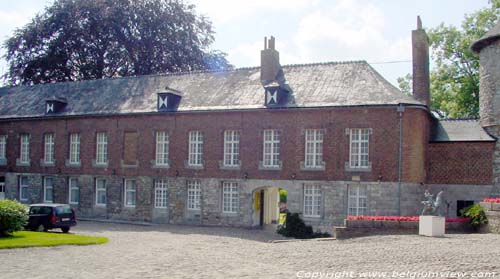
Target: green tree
455	76
94	39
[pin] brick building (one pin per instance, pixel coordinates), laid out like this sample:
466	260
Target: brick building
214	148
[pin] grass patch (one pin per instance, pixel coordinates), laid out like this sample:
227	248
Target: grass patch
22	239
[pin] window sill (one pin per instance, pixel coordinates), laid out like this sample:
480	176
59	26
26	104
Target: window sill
129	206
100	205
72	165
3	162
99	165
129	166
157	166
46	164
194	167
272	168
225	167
308	168
348	168
22	164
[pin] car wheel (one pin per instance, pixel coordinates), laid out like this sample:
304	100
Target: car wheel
65	229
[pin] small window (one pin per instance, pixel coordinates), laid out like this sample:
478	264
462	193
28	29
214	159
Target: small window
358	201
130	193
48	189
23	188
3	147
314	148
271	151
161	148
231	148
101	149
194	194
24	156
312	200
161	193
100	192
230	197
195	149
74	148
359	142
49	149
74	190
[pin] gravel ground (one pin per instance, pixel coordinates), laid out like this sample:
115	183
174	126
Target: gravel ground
201	252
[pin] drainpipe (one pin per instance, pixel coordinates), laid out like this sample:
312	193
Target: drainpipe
400	110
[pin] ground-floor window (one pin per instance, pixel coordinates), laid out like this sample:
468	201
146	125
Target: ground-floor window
161	193
100	191
312	200
2	187
194	194
74	190
48	189
23	188
358	201
461	204
130	193
230	197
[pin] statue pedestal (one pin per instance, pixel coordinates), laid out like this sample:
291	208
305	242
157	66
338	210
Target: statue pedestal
431	226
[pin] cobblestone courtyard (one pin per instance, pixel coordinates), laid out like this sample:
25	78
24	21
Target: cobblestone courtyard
200	252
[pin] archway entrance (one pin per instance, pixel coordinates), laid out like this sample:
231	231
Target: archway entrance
267	203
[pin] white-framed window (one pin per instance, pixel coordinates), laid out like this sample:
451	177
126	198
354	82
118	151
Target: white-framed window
161	193
314	148
3	147
130	193
230	197
100	192
271	151
101	148
193	194
74	190
48	189
162	141
195	148
25	149
312	200
359	141
48	148
23	188
74	148
358	201
231	148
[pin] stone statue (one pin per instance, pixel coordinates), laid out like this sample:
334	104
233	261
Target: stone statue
431	206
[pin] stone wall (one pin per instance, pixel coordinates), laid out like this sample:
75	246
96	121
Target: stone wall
493	214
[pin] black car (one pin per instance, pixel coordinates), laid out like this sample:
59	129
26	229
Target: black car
50	216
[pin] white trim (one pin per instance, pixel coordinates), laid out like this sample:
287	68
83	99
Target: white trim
23	186
312	200
101	157
271	148
231	148
359	143
3	147
24	150
161	193
100	188
194	195
357	193
313	148
162	145
195	155
45	179
48	152
133	190
230	197
71	187
74	148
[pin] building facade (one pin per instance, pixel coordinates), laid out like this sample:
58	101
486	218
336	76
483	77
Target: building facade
214	148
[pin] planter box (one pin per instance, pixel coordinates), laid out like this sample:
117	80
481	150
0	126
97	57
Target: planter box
431	226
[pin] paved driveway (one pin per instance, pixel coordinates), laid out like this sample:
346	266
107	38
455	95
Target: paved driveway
198	252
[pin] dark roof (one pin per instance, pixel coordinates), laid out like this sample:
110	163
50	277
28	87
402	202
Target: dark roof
314	85
447	130
487	39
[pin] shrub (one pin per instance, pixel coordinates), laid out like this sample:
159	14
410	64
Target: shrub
295	227
283	195
476	215
13	216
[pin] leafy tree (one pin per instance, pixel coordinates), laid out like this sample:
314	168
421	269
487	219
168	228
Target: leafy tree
455	76
94	39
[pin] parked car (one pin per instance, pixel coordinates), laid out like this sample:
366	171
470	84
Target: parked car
50	216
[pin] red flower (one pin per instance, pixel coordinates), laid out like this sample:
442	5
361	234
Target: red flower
402	218
492	200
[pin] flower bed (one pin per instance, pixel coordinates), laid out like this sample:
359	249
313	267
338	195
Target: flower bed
402	219
492	200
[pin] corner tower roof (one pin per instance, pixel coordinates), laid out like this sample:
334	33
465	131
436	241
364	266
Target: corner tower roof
490	37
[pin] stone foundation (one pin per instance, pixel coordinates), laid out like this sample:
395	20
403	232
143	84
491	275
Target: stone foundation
493	214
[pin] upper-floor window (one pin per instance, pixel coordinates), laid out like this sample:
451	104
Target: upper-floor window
74	190
194	194
231	148
3	147
161	148
48	149
48	189
195	148
161	193
74	148
312	200
230	197
271	152
130	193
359	141
100	191
358	201
24	156
101	148
314	148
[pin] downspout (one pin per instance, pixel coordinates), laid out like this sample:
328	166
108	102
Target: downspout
400	110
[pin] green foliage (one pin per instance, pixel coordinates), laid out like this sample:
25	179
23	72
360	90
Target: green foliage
295	227
13	216
455	76
283	195
405	84
24	239
94	39
476	214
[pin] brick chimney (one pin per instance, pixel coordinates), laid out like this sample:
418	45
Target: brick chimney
420	54
269	62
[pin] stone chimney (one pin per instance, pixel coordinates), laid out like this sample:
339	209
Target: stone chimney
270	67
420	55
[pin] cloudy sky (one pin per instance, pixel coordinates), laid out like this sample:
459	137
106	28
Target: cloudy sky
306	31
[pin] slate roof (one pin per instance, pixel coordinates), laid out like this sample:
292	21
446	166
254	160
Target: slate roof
314	85
488	38
448	130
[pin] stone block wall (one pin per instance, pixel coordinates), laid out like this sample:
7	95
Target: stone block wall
493	214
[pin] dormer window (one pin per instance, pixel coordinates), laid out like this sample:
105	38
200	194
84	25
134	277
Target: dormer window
276	96
54	105
168	101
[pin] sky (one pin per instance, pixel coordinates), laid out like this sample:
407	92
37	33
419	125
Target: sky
306	31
